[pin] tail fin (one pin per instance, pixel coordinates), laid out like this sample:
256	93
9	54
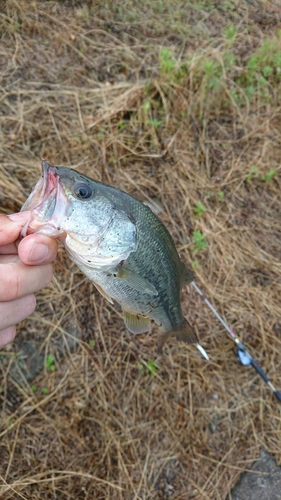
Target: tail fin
185	333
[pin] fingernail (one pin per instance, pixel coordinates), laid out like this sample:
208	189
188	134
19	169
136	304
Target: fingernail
38	252
19	217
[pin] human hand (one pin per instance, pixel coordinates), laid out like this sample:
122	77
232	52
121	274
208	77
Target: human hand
24	269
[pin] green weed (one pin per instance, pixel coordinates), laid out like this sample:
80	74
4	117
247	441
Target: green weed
199	209
121	125
85	14
221	195
262	68
50	363
167	62
92	343
155	123
226	6
146	105
152	368
229	60
170	67
149	368
267	59
253	173
151	114
199	241
213	73
45	391
231	79
269	176
230	33
206	5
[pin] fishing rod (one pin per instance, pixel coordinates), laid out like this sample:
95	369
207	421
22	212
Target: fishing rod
244	357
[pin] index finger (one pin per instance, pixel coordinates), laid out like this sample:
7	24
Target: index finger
10	249
10	230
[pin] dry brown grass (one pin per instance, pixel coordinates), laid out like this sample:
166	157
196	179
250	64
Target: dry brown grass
81	87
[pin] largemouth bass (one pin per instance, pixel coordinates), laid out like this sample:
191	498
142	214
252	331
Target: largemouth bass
119	244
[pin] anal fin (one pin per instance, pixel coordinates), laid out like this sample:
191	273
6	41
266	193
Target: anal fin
136	323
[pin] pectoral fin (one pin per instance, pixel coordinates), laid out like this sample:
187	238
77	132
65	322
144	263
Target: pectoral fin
185	333
136	281
136	323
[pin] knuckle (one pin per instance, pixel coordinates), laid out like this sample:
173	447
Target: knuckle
18	280
49	273
46	274
31	304
11	283
7	335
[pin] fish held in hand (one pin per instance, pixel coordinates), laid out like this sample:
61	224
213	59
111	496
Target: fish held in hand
119	244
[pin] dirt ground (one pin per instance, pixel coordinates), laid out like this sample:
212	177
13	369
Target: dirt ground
178	103
262	483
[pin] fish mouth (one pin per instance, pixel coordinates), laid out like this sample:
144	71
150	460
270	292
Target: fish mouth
46	204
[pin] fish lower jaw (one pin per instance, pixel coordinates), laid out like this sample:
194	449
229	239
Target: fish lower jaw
47	228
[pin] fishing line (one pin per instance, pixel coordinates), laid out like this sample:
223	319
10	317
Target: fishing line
243	356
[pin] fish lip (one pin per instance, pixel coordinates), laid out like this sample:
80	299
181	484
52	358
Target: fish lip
43	202
50	183
50	178
44	187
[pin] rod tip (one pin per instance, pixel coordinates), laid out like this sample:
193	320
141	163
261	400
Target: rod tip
203	352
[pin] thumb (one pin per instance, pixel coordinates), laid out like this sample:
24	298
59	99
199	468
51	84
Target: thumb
37	249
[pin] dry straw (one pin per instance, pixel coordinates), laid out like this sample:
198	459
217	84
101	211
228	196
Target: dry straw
129	97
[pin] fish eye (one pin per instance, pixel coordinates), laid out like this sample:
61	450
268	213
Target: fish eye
83	191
